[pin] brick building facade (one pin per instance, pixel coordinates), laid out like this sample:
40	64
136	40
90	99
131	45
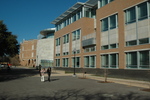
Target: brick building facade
28	53
113	34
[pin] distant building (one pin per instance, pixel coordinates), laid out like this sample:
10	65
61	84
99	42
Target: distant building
45	48
28	53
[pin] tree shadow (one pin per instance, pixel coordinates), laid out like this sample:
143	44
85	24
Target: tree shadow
16	73
78	94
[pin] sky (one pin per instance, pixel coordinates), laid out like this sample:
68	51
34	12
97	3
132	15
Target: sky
26	18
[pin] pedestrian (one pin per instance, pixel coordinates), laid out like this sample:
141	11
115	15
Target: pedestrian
40	69
8	68
49	73
42	74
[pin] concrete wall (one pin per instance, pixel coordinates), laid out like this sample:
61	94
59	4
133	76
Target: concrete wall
45	50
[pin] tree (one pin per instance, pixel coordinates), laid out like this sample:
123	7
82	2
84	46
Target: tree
8	43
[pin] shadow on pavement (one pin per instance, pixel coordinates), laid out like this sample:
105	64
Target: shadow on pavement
78	95
16	73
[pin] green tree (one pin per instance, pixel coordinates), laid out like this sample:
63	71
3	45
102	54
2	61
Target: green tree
8	42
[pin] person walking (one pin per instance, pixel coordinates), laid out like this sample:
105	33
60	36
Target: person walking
49	73
40	69
42	74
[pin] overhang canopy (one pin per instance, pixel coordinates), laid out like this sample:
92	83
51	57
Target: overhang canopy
73	8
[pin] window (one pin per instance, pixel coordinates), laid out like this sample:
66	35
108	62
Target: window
140	41
76	35
131	43
142	11
104	2
113	46
109	60
90	49
90	61
86	61
105	24
58	54
75	52
57	41
138	12
57	62
113	22
132	60
138	59
105	47
66	38
130	15
144	59
109	23
104	61
74	18
144	41
76	61
65	62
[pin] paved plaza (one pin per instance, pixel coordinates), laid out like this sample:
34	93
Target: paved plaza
25	84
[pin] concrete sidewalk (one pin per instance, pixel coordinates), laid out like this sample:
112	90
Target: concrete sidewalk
142	84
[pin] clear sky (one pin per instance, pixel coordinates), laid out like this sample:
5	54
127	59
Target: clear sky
26	18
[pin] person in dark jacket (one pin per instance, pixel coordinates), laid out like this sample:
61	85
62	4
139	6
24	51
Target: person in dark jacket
49	73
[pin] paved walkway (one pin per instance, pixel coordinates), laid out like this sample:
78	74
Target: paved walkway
65	87
142	84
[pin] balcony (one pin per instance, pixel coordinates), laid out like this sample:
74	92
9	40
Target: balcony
89	42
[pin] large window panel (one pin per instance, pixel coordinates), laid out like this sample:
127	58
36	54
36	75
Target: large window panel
130	15
86	61
142	11
131	60
105	24
92	61
104	61
113	22
113	60
144	59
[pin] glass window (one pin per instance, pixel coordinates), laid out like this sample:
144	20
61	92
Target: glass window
113	60
77	61
105	24
109	23
131	60
104	61
104	47
92	61
93	48
86	61
131	43
78	34
63	62
74	35
103	2
144	41
113	22
87	12
57	62
142	11
130	15
113	46
74	18
144	59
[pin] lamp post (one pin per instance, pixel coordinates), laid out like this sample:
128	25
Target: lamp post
74	51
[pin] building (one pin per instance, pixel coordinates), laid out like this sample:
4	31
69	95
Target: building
100	34
28	53
45	48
